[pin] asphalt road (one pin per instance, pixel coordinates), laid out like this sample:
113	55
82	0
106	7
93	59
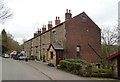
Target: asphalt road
31	70
17	70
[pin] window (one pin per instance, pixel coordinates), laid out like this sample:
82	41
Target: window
54	32
84	19
78	50
53	36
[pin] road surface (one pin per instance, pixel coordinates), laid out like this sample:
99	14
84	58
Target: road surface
31	70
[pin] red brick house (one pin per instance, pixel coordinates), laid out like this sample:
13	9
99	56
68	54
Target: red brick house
76	37
83	33
115	61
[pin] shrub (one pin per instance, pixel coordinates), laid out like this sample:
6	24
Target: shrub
96	70
75	72
75	66
78	61
101	73
83	68
63	64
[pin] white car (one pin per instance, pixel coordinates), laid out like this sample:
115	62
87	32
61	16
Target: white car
6	56
22	57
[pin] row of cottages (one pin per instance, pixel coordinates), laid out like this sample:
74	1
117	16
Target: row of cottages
76	37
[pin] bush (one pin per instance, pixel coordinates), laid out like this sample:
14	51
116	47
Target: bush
78	61
75	66
101	73
69	66
83	68
96	70
63	64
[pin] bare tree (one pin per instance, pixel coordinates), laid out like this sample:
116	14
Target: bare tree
5	12
118	37
109	37
109	44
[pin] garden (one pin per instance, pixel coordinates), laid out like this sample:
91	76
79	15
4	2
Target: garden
83	68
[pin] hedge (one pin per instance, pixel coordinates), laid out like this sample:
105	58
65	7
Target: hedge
83	68
73	65
78	61
98	70
101	73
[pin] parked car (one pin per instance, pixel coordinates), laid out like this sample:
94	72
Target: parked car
32	58
15	57
22	57
5	56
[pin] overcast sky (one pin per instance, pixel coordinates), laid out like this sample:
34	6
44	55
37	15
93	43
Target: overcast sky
29	15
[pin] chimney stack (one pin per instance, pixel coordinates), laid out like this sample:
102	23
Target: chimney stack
43	28
39	31
49	24
35	34
57	21
68	14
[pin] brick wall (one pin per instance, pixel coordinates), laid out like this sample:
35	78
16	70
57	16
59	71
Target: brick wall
81	30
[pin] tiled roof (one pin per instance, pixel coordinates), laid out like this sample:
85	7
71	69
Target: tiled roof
57	46
113	56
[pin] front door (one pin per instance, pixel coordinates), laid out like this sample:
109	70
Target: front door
59	56
118	66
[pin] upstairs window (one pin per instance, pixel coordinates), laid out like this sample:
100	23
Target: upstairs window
78	50
84	19
53	36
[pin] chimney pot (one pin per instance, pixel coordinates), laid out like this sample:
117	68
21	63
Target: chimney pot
49	24
68	15
69	11
43	28
39	31
66	10
35	34
56	17
57	21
